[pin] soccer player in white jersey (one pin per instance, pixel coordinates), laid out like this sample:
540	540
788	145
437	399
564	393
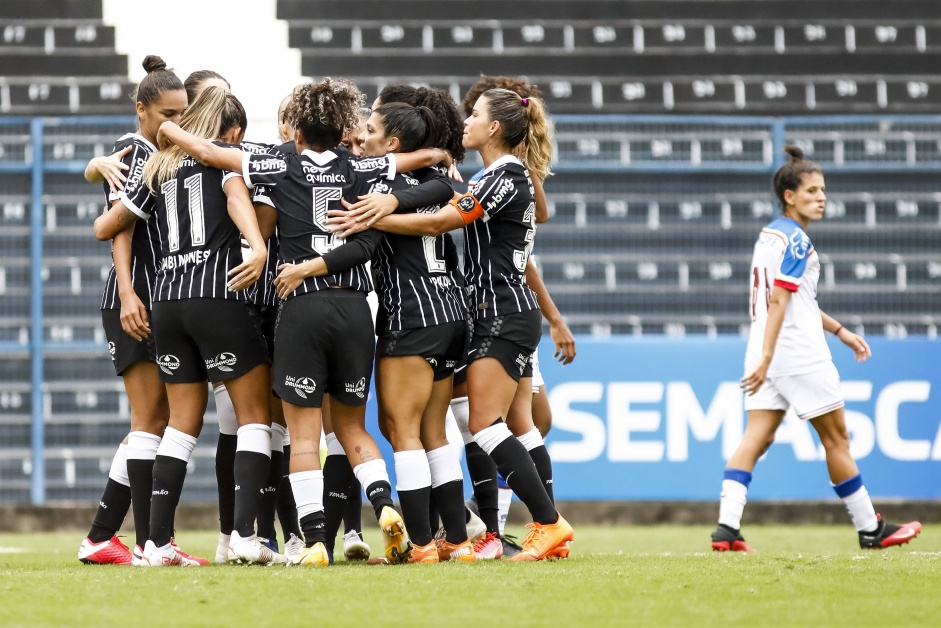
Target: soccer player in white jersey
788	364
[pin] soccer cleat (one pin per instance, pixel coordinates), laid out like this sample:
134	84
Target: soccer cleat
398	547
488	547
137	557
253	551
354	547
271	544
199	561
293	548
549	540
887	534
726	539
314	556
511	548
424	553
462	552
222	549
167	556
110	552
476	528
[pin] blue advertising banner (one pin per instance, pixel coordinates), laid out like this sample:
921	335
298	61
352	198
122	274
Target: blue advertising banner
657	418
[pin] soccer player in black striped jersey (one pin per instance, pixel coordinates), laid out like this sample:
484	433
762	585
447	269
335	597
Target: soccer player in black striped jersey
422	334
125	307
323	279
201	278
499	216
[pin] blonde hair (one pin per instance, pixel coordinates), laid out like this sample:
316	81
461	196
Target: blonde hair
524	128
214	112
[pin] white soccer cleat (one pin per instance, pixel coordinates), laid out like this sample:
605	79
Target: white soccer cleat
222	549
293	548
166	556
137	557
354	547
252	551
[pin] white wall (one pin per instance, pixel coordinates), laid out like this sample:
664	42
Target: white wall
239	39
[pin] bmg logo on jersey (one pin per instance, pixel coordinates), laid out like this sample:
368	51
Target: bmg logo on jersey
303	386
168	363
358	389
224	362
269	165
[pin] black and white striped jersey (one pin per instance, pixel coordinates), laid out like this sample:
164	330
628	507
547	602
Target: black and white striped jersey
498	244
198	242
143	249
303	188
263	292
415	274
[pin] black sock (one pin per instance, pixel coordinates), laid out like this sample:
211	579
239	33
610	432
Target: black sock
520	473
483	475
434	519
269	502
337	477
415	512
112	509
543	462
251	476
312	527
141	475
225	481
353	513
380	496
169	474
287	507
450	499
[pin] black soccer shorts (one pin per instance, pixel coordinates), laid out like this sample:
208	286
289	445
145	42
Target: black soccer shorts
124	349
511	339
442	346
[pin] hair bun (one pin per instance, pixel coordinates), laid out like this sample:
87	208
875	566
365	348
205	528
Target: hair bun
152	63
797	155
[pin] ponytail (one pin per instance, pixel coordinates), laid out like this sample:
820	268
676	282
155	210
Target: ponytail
525	129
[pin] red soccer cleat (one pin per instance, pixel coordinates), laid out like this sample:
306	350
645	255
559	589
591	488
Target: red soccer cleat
110	552
887	534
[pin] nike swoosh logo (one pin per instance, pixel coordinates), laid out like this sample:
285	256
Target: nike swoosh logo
507	478
471	351
481	482
908	533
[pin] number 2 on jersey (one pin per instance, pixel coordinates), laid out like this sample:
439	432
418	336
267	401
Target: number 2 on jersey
194	185
327	242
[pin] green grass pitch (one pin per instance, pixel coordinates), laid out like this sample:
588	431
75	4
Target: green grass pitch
624	576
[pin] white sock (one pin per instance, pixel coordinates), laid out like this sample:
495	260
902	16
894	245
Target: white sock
142	445
118	471
277	438
444	466
732	503
461	411
176	444
412	471
254	437
490	437
858	504
504	499
225	412
368	473
531	439
307	487
334	448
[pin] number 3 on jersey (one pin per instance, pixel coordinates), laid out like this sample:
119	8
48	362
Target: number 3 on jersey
325	243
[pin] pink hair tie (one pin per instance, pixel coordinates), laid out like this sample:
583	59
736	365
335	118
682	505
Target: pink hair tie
525	102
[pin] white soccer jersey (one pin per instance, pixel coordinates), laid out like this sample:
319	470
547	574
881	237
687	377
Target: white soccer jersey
784	256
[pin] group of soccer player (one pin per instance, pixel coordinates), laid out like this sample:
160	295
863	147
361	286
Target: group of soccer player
245	266
249	272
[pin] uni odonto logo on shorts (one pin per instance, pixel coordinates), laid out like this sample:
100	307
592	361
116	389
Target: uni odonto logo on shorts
111	350
224	362
358	389
303	386
168	363
521	361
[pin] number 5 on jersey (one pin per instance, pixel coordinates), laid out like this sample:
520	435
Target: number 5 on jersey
326	242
